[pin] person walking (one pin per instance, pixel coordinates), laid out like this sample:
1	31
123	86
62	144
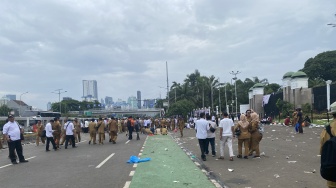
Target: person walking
92	131
130	127
256	136
113	129
69	134
210	137
244	137
101	130
49	135
202	127
300	120
226	132
40	128
78	128
11	134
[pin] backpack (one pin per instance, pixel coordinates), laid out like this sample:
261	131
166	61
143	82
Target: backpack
328	158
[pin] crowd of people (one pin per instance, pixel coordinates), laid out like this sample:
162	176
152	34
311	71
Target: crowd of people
246	130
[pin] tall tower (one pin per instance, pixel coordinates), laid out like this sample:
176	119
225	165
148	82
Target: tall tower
90	90
139	99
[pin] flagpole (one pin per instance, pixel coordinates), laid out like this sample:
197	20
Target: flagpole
167	85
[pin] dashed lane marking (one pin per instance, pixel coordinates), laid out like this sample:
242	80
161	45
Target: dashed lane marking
104	161
127	184
132	173
12	164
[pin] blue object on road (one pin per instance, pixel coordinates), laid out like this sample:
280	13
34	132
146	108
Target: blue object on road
135	159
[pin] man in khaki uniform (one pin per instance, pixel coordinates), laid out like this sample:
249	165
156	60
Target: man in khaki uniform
77	126
92	131
113	128
295	118
56	126
40	128
325	136
101	131
181	125
256	136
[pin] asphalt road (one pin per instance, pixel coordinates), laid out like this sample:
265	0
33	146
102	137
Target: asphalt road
289	160
80	167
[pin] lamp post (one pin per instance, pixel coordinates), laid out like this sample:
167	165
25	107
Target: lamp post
235	79
328	82
59	92
21	102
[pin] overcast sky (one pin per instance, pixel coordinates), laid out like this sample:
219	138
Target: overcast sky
55	44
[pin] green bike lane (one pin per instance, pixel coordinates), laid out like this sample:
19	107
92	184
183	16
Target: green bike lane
169	167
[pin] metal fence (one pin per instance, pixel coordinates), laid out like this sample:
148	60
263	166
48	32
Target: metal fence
320	97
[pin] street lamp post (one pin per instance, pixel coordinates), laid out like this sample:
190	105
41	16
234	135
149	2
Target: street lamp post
21	102
59	92
235	79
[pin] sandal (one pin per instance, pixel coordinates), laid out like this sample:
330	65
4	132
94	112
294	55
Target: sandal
222	158
231	158
239	156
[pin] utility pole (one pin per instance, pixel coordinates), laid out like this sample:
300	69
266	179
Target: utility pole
167	85
59	92
235	79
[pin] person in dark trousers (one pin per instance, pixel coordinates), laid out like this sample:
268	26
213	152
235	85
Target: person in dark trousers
300	120
69	134
130	127
210	138
49	135
202	127
11	134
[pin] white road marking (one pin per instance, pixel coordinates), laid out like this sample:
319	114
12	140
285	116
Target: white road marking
12	164
135	165
132	173
127	141
5	166
127	184
104	161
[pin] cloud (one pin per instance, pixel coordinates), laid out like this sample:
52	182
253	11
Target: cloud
47	45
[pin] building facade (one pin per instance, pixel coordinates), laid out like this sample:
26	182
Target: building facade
90	90
139	99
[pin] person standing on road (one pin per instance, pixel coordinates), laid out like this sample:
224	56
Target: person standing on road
101	130
78	128
181	124
300	120
69	134
92	131
56	126
202	127
325	137
130	127
210	137
40	128
256	136
113	129
226	132
11	133
244	137
49	135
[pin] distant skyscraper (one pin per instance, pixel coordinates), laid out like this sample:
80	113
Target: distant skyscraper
139	99
10	97
149	103
108	100
90	90
132	102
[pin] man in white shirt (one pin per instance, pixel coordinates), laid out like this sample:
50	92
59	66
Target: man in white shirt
49	135
202	127
69	134
226	132
11	133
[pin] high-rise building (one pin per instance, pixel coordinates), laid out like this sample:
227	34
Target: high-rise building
49	106
108	100
139	99
90	90
149	103
132	102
